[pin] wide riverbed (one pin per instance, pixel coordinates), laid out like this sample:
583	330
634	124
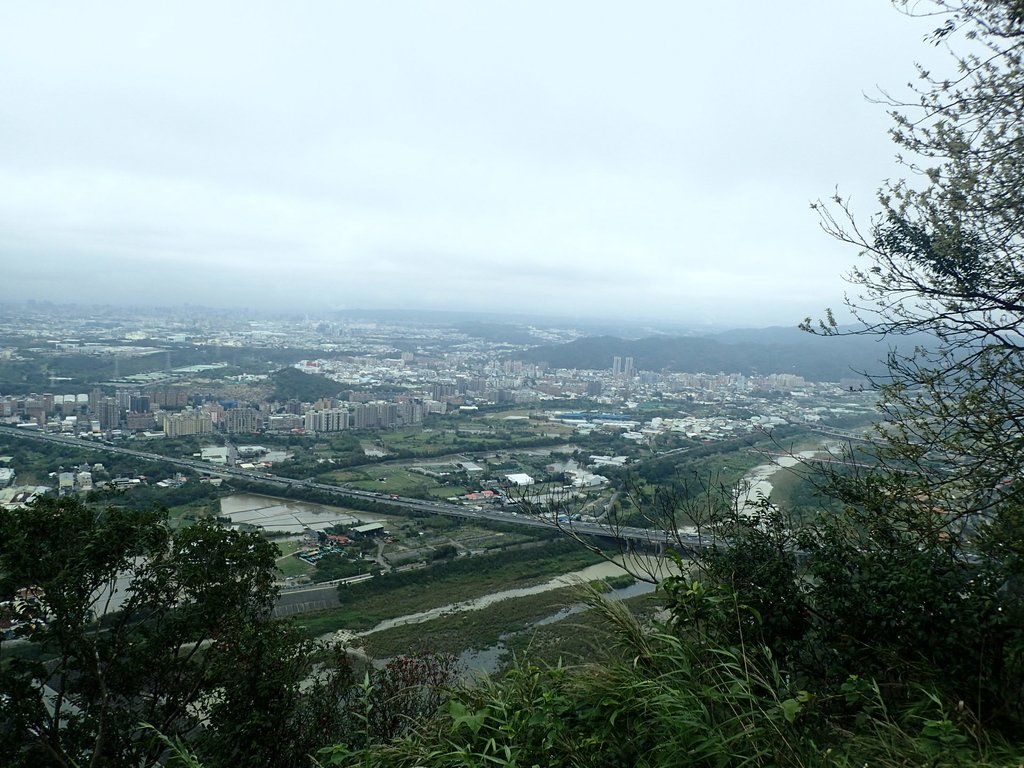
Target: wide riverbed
588	574
756	484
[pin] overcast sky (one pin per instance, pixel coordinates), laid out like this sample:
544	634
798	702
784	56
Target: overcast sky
640	159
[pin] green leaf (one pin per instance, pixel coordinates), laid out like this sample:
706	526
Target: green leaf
790	709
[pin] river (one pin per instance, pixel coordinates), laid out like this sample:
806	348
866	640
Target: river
756	484
588	574
487	659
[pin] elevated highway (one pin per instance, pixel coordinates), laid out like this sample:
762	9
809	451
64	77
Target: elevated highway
642	537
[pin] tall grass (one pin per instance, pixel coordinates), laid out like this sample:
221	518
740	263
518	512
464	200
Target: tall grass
671	698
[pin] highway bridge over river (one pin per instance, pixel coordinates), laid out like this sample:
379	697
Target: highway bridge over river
635	537
315	597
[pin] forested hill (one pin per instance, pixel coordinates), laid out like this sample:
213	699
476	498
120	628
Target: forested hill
764	351
292	383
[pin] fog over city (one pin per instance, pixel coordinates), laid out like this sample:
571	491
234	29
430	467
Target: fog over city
652	160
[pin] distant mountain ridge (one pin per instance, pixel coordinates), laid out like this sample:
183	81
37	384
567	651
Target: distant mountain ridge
750	352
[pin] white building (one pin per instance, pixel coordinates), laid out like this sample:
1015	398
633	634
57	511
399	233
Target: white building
519	478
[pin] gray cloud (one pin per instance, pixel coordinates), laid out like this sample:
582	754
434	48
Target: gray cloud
655	160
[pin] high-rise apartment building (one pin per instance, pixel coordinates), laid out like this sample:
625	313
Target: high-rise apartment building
327	420
365	416
188	422
124	399
109	413
442	391
241	421
169	397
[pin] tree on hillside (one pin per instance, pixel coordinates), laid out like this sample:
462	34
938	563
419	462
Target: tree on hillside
924	568
916	581
943	262
293	384
184	651
87	672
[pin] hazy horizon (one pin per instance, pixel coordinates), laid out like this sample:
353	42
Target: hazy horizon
587	325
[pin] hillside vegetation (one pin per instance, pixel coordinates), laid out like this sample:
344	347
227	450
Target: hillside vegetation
814	359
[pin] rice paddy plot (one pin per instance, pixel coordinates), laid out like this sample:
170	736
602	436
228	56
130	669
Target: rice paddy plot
282	515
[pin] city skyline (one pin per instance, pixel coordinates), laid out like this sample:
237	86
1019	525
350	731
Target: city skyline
567	160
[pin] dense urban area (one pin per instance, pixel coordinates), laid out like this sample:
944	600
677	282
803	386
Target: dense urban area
411	408
370	445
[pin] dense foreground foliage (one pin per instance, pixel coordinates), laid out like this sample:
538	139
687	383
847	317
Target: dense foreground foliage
123	635
868	639
870	647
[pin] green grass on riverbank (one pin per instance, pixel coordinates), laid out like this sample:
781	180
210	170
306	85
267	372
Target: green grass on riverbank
366	604
474	630
511	619
581	638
